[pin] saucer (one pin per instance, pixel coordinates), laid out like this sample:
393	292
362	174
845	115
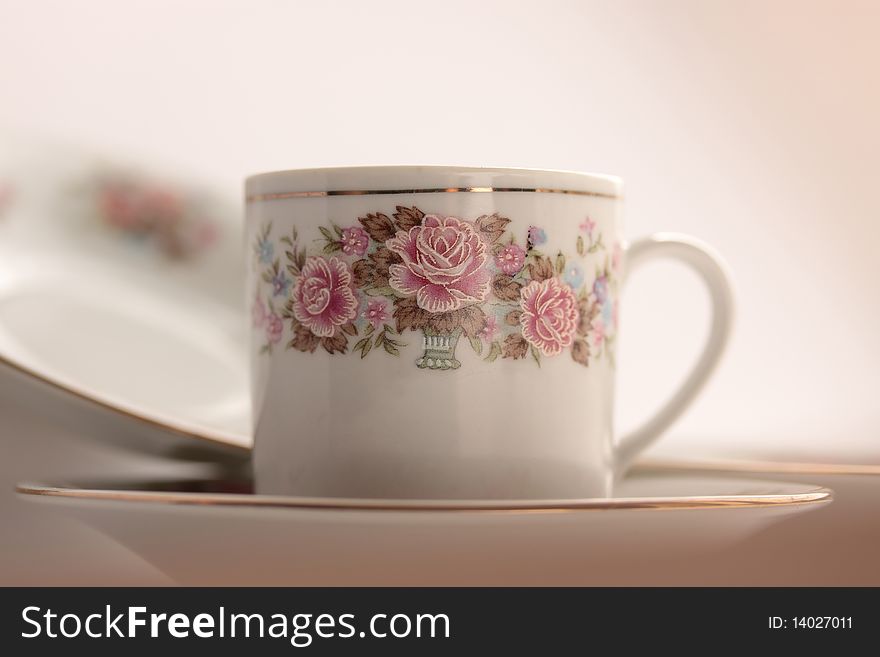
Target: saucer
219	532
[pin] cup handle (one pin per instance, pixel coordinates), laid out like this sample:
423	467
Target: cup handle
705	261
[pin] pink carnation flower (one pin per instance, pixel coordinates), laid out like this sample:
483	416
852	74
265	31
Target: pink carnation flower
354	241
616	256
324	296
443	264
549	315
258	313
588	225
510	259
490	329
376	313
274	328
598	333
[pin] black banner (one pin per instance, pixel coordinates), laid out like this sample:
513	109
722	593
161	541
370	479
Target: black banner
434	621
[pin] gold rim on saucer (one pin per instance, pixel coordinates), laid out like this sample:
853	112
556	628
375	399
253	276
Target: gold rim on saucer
239	495
757	466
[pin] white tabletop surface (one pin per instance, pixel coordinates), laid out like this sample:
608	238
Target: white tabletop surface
40	547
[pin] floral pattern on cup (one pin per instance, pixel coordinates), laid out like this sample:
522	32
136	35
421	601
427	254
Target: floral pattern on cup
365	286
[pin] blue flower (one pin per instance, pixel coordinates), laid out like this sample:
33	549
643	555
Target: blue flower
537	236
266	250
608	313
574	276
281	284
600	288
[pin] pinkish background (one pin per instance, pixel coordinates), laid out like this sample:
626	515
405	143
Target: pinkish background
750	124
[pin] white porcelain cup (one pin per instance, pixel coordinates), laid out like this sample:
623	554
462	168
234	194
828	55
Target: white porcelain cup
447	332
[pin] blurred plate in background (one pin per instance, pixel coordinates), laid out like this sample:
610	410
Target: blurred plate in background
124	290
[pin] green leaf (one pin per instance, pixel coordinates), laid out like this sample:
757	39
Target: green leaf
560	263
369	330
336	229
494	351
536	355
360	344
332	247
580	245
388	329
380	338
287	240
326	233
366	349
384	291
391	349
476	345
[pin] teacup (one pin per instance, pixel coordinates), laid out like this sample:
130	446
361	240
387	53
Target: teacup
447	332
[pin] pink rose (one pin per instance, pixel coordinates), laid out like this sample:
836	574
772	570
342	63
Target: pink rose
324	296
510	259
274	328
549	315
354	241
443	264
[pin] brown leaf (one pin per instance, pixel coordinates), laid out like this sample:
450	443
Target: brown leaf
472	321
512	318
491	227
541	269
587	312
378	226
350	328
443	323
382	258
580	351
406	218
363	271
408	315
337	343
303	338
514	346
505	288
